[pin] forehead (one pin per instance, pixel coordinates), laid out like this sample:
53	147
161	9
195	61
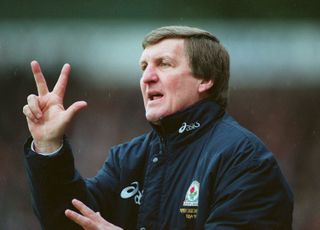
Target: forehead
173	47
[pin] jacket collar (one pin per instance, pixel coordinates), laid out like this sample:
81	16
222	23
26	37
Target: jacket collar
189	123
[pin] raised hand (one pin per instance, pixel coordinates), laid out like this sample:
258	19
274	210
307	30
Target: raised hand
89	220
46	116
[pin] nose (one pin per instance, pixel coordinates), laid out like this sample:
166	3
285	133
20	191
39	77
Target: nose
149	75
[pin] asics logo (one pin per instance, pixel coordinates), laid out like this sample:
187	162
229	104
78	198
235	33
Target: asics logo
186	127
132	191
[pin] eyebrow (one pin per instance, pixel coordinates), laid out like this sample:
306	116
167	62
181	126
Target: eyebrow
162	57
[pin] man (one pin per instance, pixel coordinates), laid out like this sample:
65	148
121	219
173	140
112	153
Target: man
197	168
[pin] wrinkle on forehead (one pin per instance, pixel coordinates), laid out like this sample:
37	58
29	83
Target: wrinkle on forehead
163	49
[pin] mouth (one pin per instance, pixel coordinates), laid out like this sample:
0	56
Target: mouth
154	96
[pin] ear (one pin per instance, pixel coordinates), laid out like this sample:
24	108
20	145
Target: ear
204	85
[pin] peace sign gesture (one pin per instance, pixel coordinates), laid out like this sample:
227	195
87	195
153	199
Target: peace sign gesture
46	116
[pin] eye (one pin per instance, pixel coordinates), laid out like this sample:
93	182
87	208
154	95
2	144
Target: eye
165	63
143	66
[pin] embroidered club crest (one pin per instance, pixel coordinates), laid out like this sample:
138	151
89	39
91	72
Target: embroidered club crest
192	196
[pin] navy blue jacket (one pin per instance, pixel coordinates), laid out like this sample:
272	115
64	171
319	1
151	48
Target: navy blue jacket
199	169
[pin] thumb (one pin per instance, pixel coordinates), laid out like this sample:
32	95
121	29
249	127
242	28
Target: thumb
75	108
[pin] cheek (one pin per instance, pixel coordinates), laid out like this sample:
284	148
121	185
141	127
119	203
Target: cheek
143	89
185	94
179	87
141	84
174	86
176	94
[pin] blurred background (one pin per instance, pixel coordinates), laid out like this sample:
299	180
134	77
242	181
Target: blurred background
275	81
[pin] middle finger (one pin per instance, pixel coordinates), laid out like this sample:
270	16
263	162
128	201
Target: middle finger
85	210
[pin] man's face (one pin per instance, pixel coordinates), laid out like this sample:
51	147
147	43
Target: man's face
167	83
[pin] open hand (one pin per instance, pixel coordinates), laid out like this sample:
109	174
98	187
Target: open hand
89	220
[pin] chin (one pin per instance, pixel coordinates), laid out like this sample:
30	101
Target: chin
153	118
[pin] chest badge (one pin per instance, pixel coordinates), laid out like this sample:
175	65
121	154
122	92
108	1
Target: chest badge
192	196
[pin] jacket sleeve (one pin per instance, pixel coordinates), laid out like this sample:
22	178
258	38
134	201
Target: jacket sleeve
251	193
54	182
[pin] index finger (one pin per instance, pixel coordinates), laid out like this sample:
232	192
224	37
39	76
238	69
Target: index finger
39	78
